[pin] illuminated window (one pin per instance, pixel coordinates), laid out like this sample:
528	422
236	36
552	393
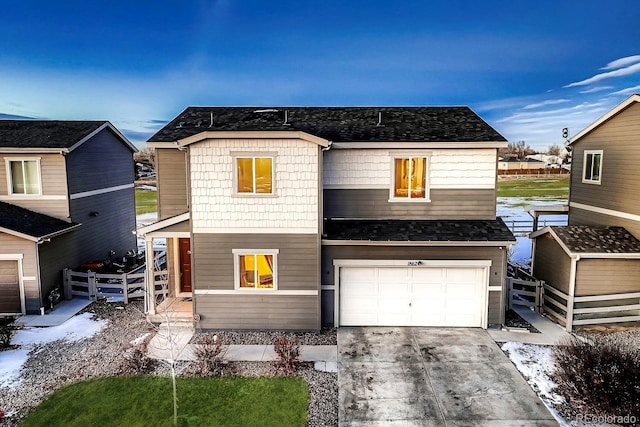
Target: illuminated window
592	168
24	176
254	175
410	178
255	269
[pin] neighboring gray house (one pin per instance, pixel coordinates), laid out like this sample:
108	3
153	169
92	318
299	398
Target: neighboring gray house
66	197
293	217
592	267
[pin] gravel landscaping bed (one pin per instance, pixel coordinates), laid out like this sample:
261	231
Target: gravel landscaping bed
56	364
327	336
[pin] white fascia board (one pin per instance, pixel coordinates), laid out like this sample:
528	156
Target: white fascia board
163	224
549	230
253	135
416	145
107	124
326	242
32	150
608	115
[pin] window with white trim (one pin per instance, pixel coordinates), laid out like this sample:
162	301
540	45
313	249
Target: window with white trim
255	268
253	174
592	167
410	178
23	176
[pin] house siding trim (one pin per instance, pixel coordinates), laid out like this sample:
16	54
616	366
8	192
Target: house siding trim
100	191
414	243
604	211
270	292
417	145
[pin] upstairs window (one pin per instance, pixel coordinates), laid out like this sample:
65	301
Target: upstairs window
24	176
410	178
254	175
592	168
255	269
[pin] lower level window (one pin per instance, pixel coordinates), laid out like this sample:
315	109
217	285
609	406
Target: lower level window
255	270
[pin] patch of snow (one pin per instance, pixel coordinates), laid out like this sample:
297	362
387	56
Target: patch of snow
535	363
75	329
140	339
12	362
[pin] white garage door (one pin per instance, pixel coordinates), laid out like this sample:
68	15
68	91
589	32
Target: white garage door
412	296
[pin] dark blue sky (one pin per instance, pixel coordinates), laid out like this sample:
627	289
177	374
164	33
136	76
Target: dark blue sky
528	68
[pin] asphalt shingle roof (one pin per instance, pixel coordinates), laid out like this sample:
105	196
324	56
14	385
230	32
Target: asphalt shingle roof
44	133
607	240
31	223
419	230
338	124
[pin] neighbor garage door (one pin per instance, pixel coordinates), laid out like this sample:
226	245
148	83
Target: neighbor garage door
9	288
412	296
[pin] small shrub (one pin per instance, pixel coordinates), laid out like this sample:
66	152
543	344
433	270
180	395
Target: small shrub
209	355
600	374
6	333
288	351
135	360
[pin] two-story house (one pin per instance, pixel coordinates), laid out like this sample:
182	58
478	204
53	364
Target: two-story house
293	217
66	197
592	266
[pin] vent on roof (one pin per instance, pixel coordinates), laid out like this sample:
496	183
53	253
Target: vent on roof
211	121
181	124
379	124
266	110
286	118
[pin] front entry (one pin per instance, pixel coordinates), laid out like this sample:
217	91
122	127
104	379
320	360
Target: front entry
10	300
185	264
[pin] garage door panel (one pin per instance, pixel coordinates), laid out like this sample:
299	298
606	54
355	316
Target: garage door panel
393	274
428	275
422	296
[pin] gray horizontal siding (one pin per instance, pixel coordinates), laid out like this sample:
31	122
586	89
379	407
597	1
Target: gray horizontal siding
552	264
101	162
607	276
28	249
9	287
298	259
173	194
444	204
258	312
111	229
619	139
584	217
496	274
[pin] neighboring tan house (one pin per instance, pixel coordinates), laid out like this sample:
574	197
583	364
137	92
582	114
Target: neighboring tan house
592	267
524	166
293	217
66	197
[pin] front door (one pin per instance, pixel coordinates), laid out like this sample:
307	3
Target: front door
185	264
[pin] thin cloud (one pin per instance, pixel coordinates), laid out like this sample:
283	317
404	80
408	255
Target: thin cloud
628	91
595	89
622	62
631	69
545	103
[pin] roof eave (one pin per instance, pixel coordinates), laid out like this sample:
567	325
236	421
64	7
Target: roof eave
452	243
417	144
33	150
252	135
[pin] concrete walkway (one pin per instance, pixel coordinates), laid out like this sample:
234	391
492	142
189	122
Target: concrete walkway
62	312
550	333
431	377
160	347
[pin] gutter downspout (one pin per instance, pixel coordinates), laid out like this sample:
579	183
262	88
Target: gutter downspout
572	292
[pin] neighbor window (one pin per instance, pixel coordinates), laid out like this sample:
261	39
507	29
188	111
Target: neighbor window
255	269
410	178
24	176
254	175
592	169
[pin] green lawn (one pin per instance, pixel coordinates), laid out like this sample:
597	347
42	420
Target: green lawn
557	187
146	201
146	401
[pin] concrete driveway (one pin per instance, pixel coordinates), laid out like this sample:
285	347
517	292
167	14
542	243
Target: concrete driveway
431	377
